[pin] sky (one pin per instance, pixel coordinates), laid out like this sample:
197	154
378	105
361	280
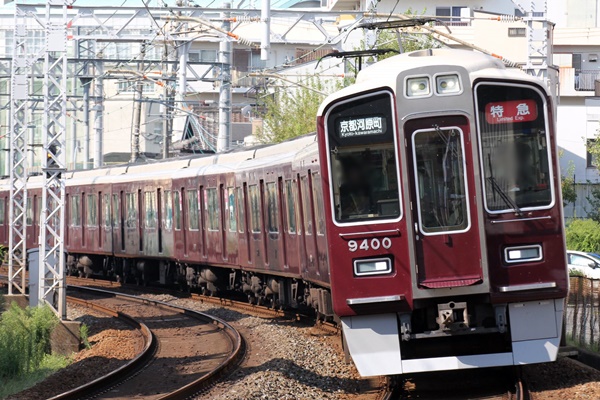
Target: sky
132	3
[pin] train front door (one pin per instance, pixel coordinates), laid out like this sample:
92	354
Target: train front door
446	240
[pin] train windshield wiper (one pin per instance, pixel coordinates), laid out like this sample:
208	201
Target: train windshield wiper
509	202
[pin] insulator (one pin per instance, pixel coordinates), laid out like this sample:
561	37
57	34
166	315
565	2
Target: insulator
245	41
246	18
508	18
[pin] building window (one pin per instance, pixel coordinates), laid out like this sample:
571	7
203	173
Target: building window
517	32
129	87
202	56
451	15
592	159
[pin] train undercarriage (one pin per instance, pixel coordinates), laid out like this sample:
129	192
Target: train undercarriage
259	288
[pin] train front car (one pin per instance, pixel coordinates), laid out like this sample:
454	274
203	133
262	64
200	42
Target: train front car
445	215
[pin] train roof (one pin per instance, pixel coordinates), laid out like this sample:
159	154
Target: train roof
385	73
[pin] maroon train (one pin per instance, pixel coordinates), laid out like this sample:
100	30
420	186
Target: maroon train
425	214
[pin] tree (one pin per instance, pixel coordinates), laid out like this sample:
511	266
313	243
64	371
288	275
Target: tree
290	113
567	183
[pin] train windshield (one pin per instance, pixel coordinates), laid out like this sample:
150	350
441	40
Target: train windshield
363	159
514	148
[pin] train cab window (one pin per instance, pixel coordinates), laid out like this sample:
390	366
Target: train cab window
116	210
168	212
177	206
514	147
192	208
132	210
2	211
241	210
255	213
150	214
106	210
290	205
91	207
75	211
212	209
29	212
363	159
318	199
441	181
272	207
230	208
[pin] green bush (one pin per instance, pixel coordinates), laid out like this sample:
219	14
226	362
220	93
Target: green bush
24	339
583	235
84	334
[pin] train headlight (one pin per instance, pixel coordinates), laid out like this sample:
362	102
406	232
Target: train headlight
520	254
418	87
373	266
447	84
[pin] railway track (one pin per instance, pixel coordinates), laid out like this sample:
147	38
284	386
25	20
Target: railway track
192	350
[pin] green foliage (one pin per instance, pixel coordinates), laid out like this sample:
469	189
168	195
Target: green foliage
290	113
24	339
49	365
594	201
569	194
3	253
84	333
576	272
583	235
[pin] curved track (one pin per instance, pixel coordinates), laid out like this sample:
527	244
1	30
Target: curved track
185	351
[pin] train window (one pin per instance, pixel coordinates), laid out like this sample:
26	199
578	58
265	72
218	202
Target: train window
512	126
29	212
306	206
230	207
91	207
441	180
177	210
290	205
212	209
132	210
272	207
116	210
75	210
168	210
241	215
255	208
106	211
38	209
192	203
318	199
363	159
150	210
2	210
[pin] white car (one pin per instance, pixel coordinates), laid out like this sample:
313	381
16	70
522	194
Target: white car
587	263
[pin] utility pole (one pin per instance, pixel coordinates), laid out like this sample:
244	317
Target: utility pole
265	17
51	253
137	109
98	114
19	110
225	50
86	82
166	142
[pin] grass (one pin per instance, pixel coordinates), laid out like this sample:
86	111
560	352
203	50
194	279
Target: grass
49	365
595	347
25	357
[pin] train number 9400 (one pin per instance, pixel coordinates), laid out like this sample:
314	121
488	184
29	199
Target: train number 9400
370	244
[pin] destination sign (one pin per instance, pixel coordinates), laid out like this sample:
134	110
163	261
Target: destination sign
508	112
363	126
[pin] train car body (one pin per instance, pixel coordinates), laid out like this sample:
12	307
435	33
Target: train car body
425	215
446	216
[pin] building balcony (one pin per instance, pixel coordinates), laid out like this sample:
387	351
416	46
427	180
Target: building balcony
580	83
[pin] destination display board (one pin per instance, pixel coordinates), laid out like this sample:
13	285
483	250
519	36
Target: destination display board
508	112
361	126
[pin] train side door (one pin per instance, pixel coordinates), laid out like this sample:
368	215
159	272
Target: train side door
308	222
443	205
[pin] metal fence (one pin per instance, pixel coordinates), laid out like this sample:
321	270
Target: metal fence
582	314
